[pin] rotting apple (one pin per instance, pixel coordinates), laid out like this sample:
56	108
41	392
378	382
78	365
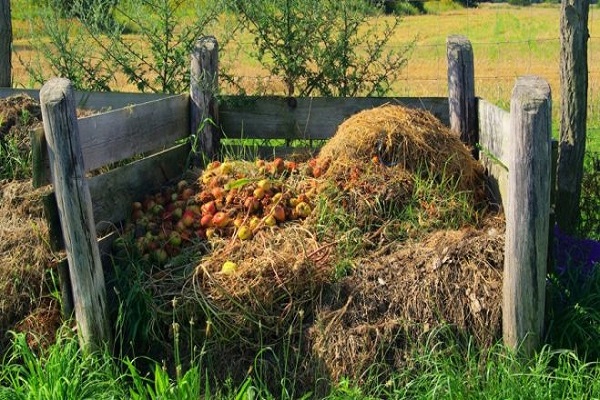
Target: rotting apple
221	219
278	212
187	218
244	232
303	209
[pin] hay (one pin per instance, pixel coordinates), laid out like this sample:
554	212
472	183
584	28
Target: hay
278	276
393	300
404	140
24	252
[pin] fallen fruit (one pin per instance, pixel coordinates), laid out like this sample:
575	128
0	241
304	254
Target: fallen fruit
228	268
303	209
244	232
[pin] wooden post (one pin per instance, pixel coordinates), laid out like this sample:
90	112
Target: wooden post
528	214
461	89
76	214
574	35
5	43
203	88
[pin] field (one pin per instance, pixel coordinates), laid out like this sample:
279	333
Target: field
386	279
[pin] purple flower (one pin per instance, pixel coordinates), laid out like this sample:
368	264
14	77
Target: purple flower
574	253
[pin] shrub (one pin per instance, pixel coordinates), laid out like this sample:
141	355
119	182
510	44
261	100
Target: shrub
323	46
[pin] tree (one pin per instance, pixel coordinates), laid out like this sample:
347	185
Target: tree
574	35
5	43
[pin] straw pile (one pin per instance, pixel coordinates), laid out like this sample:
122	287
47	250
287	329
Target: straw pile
408	141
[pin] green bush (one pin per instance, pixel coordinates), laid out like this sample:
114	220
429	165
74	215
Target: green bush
323	47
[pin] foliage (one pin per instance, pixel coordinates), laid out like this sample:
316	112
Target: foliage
589	224
323	47
66	53
520	2
96	12
155	59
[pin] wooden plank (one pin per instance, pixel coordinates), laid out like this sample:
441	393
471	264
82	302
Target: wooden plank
494	131
114	192
305	118
527	215
117	135
94	100
76	214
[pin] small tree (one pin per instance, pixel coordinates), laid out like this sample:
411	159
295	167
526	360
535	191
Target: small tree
325	47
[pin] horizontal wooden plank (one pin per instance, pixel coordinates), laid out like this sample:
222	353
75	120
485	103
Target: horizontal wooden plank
305	118
120	134
494	131
114	192
94	100
116	135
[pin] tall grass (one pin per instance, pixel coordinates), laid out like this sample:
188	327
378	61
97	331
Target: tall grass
446	367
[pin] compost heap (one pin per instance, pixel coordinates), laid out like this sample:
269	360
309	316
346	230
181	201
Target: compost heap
25	255
281	287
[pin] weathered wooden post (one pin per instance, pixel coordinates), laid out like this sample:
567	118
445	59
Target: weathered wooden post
76	214
461	89
203	89
5	43
527	214
574	35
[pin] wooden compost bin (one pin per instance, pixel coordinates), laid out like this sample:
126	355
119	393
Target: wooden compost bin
515	148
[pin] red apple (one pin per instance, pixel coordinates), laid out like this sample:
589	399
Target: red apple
209	208
206	220
221	220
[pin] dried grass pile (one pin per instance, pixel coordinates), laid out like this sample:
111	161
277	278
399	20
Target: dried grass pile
24	253
394	299
407	141
275	285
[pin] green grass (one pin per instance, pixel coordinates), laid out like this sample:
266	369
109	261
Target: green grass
445	367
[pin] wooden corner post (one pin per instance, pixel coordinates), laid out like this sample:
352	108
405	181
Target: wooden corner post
527	214
461	89
5	43
76	214
203	89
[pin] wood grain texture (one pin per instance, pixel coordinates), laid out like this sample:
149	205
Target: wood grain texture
203	89
461	89
305	118
97	101
117	135
5	44
527	215
494	132
114	192
76	214
574	35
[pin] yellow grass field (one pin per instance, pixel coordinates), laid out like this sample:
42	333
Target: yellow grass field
508	42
